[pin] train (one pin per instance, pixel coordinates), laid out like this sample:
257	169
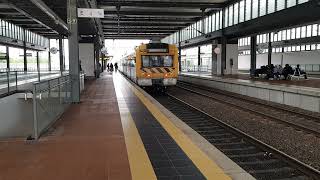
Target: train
152	65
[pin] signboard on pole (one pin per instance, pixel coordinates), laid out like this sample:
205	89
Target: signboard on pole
90	13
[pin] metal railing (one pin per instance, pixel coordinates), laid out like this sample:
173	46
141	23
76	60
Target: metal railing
200	68
50	100
308	67
12	81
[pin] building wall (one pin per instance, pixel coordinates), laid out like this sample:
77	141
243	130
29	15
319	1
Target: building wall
86	56
303	57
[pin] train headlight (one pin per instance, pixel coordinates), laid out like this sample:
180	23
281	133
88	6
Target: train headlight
149	75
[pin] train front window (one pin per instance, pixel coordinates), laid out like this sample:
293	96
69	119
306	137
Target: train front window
157	61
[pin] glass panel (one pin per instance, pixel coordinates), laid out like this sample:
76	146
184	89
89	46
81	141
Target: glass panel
291	3
288	34
248	10
32	60
226	17
303	31
309	31
213	22
241	11
157	61
280	4
315	30
263	7
16	59
293	33
236	13
302	1
218	21
255	8
230	15
3	58
298	32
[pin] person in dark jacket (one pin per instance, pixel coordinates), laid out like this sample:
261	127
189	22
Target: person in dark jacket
287	70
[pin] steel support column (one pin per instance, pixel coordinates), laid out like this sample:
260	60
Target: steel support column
38	66
223	54
61	54
49	58
199	55
269	50
25	64
74	69
7	57
253	54
179	49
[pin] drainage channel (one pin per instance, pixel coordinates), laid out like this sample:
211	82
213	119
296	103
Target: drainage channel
260	160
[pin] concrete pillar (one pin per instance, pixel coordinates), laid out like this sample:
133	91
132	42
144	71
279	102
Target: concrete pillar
223	55
269	50
74	69
61	54
253	53
25	65
214	58
7	57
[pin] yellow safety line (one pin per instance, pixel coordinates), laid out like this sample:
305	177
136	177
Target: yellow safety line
140	165
207	167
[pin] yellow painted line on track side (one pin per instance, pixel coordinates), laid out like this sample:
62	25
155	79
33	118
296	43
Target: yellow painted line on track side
207	167
140	165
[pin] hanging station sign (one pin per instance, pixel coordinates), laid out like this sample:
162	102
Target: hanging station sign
90	13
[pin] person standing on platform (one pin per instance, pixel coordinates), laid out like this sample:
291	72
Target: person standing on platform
116	66
111	67
108	66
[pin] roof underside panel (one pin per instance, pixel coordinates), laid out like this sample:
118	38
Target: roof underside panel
152	18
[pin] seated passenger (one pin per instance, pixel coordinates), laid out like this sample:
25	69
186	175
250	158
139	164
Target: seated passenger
299	72
287	70
277	71
270	71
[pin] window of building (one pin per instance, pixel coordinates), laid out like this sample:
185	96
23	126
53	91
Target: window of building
3	57
288	34
16	59
303	47
315	30
280	4
298	32
302	1
248	10
236	13
226	17
241	11
291	3
318	46
303	32
230	15
293	33
313	47
271	6
309	30
220	19
308	47
214	22
263	7
298	48
255	8
293	48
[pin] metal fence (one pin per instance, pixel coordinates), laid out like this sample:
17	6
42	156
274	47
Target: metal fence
200	68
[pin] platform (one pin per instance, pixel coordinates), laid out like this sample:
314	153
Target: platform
303	94
117	132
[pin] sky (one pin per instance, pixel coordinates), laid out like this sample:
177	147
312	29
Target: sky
119	48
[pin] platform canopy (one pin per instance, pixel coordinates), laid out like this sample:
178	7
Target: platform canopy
152	18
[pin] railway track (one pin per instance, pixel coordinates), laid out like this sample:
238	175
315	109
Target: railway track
298	120
257	158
